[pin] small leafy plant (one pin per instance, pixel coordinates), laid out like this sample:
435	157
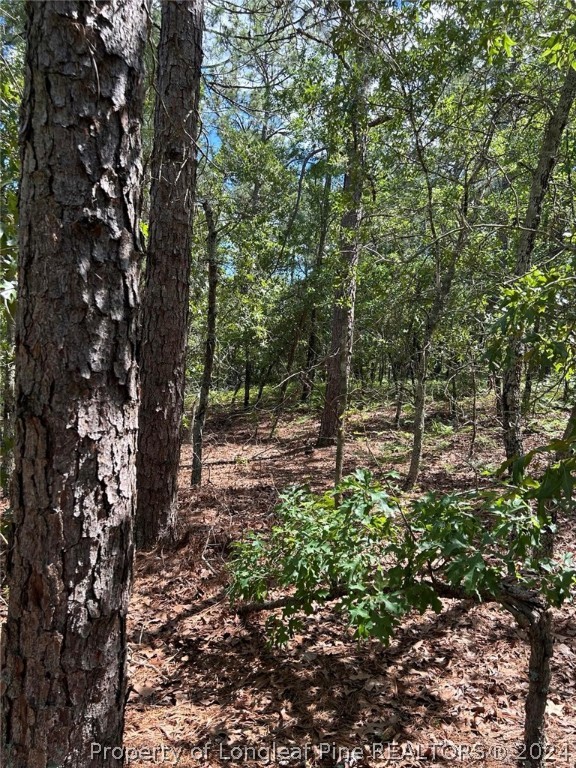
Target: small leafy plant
378	560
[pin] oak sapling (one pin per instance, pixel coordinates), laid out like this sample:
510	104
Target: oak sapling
376	558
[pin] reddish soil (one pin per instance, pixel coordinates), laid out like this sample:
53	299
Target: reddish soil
207	690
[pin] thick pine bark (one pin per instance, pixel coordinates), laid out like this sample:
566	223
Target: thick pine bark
69	571
165	302
210	349
511	380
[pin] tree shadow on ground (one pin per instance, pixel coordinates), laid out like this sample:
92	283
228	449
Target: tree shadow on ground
322	683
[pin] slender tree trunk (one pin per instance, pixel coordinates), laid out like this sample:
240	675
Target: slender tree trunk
497	381
200	416
530	372
69	570
548	537
541	649
445	268
419	418
527	392
263	381
247	379
313	343
399	403
420	369
451	369
311	358
398	378
165	303
284	386
534	615
511	380
190	435
236	390
474	432
338	367
7	426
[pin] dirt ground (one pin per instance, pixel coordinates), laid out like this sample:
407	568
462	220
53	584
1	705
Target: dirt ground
207	690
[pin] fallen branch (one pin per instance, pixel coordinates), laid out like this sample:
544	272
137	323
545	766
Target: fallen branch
282	602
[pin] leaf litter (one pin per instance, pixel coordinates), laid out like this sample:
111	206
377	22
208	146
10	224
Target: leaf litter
450	688
205	689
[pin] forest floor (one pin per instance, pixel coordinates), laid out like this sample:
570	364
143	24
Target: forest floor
208	690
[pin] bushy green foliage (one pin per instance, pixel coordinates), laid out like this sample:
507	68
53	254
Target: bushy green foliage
539	310
379	558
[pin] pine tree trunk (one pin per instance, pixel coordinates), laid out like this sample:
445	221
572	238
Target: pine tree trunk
165	301
200	416
69	571
337	368
511	380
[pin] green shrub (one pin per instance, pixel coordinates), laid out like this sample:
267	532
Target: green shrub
379	560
